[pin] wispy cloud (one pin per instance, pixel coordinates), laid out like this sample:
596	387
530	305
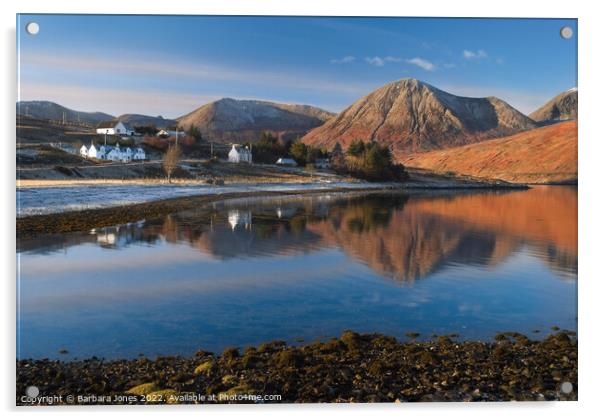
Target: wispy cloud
381	61
174	68
344	60
469	55
167	85
422	63
375	61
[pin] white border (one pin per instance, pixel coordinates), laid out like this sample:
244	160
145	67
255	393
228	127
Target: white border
590	170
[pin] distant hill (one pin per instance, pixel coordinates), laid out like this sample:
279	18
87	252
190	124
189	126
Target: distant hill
543	155
47	110
145	120
560	108
231	120
413	116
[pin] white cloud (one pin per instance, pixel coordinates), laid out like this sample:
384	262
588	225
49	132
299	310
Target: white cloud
381	61
344	60
375	61
469	55
500	60
422	63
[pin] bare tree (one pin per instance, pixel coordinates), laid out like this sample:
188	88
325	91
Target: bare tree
171	160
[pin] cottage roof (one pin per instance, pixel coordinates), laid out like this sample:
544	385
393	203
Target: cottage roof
240	149
127	126
107	124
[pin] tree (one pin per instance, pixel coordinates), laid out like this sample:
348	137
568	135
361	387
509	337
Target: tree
150	129
171	160
267	149
195	133
337	158
356	148
370	161
268	138
298	151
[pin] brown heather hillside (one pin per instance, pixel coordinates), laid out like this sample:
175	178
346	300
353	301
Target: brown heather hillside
543	155
238	121
413	116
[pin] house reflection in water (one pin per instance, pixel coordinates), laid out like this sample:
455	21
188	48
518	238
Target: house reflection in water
240	219
119	236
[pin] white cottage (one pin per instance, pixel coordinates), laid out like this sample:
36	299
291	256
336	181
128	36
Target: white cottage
139	154
171	133
83	151
286	162
239	154
116	154
96	152
117	128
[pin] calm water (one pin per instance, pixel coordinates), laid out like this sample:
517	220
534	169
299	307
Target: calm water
246	271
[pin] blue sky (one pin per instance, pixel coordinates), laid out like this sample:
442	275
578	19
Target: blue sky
170	65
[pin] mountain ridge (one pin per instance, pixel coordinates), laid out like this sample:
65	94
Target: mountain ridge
49	110
561	107
414	116
242	120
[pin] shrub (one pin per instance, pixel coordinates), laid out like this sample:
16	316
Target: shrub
370	161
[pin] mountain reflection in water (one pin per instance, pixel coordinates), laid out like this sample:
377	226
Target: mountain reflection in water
400	236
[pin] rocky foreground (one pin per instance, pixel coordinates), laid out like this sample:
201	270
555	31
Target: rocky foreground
354	368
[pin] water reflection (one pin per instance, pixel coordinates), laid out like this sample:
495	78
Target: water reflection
405	237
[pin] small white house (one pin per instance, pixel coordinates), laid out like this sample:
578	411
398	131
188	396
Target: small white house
94	152
139	154
286	162
170	133
116	154
115	128
239	154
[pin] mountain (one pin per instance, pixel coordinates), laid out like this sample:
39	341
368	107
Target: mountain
543	155
47	110
561	107
145	120
230	120
414	116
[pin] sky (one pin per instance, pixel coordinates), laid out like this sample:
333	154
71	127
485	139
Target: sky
171	65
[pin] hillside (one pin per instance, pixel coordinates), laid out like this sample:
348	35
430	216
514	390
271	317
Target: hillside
542	155
230	120
413	116
47	110
560	108
145	120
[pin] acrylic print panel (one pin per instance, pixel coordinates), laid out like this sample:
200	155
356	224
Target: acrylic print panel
295	209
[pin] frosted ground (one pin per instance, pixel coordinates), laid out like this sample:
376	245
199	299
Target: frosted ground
48	200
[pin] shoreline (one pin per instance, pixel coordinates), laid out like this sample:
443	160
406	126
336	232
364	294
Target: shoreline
84	219
352	368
